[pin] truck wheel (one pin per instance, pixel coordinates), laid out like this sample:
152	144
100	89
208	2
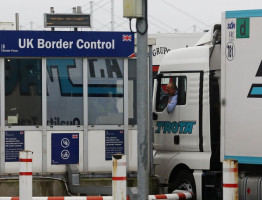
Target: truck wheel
184	180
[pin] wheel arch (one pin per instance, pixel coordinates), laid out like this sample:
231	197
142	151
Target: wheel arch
182	178
177	169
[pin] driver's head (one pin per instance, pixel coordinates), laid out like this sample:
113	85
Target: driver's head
171	89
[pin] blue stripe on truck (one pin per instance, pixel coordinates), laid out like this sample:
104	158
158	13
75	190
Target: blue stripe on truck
256	91
243	13
245	159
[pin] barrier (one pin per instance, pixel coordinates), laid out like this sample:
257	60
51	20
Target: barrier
119	177
25	175
118	183
178	195
230	179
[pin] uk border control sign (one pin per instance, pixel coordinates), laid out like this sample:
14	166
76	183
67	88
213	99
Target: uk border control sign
66	44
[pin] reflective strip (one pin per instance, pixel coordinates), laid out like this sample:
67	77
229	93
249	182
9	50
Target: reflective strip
181	196
118	178
230	169
160	196
25	160
94	198
227	185
25	173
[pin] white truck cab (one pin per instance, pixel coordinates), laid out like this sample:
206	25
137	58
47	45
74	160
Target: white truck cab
186	141
218	115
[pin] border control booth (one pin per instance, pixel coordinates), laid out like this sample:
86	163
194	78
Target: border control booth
70	98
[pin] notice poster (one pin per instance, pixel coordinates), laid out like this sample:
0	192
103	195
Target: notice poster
65	148
14	143
114	143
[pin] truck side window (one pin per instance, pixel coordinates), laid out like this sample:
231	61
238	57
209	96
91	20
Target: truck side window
162	96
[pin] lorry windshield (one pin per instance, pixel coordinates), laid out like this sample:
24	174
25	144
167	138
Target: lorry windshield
162	95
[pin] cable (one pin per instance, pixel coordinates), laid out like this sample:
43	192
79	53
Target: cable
118	25
130	25
162	23
101	6
59	179
180	10
162	29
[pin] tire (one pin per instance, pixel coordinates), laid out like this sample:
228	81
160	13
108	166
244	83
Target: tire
182	180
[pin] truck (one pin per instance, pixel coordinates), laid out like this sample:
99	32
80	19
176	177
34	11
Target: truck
217	113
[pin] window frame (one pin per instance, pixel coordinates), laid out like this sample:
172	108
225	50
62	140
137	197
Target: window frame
178	79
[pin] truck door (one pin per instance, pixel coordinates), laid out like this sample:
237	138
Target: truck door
178	130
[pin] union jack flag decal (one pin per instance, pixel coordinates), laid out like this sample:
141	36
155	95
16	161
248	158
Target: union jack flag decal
74	136
127	38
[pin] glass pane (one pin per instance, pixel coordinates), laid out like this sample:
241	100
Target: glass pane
105	92
64	91
182	88
132	92
162	95
23	92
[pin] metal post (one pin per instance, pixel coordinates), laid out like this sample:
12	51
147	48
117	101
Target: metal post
74	11
17	21
52	10
230	179
2	111
25	175
151	130
142	105
112	15
91	14
119	177
79	9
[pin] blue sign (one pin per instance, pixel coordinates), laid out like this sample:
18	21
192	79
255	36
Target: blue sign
65	148
14	143
66	44
114	143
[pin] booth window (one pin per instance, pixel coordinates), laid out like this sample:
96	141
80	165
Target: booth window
23	92
64	92
162	96
132	92
105	91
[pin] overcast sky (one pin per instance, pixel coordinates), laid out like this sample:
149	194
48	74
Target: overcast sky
165	16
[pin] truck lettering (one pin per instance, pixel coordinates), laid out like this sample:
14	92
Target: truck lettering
231	25
160	50
256	88
181	127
